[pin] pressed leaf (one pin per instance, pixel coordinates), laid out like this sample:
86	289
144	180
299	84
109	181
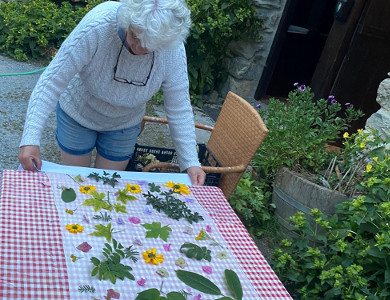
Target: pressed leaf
68	195
234	284
198	282
151	294
103	231
175	296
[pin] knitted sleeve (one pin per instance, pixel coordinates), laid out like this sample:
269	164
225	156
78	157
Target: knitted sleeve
179	111
75	52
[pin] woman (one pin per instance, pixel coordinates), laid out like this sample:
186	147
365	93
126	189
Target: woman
112	63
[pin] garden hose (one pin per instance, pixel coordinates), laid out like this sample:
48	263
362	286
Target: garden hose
25	73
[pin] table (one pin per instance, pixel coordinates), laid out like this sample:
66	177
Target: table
35	247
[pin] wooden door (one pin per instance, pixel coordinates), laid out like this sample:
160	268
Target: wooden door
356	58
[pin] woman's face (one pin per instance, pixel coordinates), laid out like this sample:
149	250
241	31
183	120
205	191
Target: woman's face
134	44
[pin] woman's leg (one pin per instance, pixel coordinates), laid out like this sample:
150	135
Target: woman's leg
103	163
75	160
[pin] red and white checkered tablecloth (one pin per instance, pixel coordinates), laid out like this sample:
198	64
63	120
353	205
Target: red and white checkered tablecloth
35	248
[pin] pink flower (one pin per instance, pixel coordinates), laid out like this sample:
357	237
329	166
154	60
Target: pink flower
111	294
134	220
167	247
207	269
198	297
208	228
141	282
85	247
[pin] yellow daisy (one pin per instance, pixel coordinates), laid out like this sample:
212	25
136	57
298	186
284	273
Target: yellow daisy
375	159
346	135
368	168
360	131
178	187
87	189
74	228
362	145
134	188
151	257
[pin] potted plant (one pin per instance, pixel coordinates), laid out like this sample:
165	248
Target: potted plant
348	256
294	158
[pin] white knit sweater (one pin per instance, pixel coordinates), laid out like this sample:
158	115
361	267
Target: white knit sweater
81	77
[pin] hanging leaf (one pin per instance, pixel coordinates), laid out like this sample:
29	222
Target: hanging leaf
198	282
234	284
68	195
151	294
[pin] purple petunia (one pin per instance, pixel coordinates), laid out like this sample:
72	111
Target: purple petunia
331	97
333	101
296	83
302	87
258	105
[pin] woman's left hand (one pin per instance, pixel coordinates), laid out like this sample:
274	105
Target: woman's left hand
197	175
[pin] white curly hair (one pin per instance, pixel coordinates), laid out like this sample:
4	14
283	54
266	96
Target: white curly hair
157	23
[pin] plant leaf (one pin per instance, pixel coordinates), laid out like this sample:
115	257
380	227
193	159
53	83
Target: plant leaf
175	296
155	230
151	294
234	284
68	195
104	231
123	197
198	282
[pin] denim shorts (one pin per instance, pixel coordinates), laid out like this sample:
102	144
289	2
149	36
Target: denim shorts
75	139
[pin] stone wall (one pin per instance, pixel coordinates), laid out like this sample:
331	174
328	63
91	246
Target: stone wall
381	119
249	58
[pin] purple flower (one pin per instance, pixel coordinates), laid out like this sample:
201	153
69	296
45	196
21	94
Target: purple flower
349	104
258	105
167	247
331	97
190	200
302	87
141	282
120	221
333	101
85	218
207	269
296	83
147	211
208	228
134	220
137	242
198	297
142	182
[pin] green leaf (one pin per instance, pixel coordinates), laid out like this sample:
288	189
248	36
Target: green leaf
151	294
175	296
123	197
154	187
68	195
103	231
234	284
155	230
120	208
194	251
198	282
97	201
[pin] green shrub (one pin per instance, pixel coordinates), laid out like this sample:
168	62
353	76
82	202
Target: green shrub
35	28
250	201
215	24
349	253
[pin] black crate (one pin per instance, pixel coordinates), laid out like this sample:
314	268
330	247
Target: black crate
144	155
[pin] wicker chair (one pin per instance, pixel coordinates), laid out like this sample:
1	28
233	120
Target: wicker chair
234	140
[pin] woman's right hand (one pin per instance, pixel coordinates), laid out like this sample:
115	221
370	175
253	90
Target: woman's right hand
30	158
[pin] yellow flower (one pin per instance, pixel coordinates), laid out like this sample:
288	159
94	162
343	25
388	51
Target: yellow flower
74	228
346	135
178	187
368	168
69	211
375	159
87	189
200	235
74	257
134	188
362	145
151	257
360	131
